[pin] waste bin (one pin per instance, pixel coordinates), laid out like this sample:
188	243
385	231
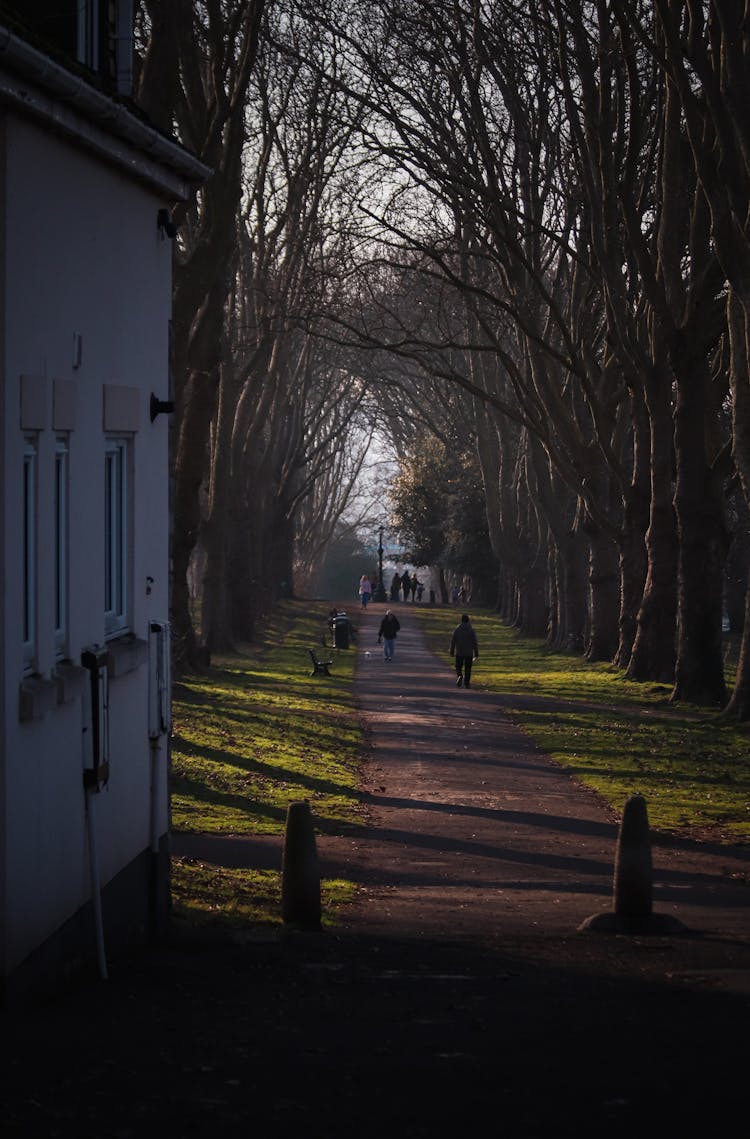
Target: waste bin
341	631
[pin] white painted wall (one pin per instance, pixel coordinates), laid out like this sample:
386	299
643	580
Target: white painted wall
82	255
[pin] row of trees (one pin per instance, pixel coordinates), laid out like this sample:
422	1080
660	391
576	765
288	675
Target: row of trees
272	424
530	217
568	218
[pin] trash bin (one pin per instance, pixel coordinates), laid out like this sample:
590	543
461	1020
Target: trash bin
341	631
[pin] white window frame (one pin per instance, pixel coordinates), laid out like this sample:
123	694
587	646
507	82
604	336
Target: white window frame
87	33
117	545
62	544
30	492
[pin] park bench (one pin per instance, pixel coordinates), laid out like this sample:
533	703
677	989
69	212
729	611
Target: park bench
320	667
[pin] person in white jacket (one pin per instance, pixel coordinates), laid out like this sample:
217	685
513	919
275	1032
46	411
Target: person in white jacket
364	590
465	649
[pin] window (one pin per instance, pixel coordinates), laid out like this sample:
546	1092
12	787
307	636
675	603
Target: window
116	508
61	546
87	38
97	33
29	551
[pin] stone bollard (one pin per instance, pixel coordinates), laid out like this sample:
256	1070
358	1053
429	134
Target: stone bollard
633	884
633	881
300	874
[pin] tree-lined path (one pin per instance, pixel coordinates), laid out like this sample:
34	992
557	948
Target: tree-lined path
472	832
499	247
475	833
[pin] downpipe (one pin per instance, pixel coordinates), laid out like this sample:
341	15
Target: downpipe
96	886
159	726
95	751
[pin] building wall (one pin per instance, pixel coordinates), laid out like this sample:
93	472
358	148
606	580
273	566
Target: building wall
87	283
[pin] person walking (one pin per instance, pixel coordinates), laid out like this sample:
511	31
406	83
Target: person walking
465	649
395	586
365	590
389	627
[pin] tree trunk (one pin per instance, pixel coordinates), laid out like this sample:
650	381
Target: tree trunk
572	593
534	616
553	593
189	469
653	653
633	557
738	309
604	582
699	670
443	586
215	610
738	707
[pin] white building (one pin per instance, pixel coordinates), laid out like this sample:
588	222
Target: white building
85	190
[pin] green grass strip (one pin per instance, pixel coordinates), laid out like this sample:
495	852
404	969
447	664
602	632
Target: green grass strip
252	735
617	736
258	731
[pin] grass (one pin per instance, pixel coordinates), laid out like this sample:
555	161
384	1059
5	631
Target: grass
254	734
204	895
618	737
258	732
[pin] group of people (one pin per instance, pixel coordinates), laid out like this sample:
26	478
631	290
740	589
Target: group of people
460	595
464	647
407	584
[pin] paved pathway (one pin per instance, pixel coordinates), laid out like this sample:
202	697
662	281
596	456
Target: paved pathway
467	816
475	832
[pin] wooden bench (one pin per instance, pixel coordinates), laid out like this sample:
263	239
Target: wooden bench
320	667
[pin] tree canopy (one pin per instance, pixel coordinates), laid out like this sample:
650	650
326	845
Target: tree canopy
512	239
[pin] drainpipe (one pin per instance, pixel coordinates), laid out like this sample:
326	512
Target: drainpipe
96	888
155	751
95	741
159	726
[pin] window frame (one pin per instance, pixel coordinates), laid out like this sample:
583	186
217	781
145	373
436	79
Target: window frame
29	546
87	34
62	543
117	544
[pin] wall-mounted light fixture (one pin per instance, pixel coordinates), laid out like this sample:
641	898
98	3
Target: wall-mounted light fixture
160	407
166	225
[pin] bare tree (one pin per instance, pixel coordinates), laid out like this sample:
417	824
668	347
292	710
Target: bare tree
704	50
195	73
287	402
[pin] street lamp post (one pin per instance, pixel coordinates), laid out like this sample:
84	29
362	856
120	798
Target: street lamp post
379	594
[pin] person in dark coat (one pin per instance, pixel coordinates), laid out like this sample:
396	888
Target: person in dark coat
465	649
389	627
